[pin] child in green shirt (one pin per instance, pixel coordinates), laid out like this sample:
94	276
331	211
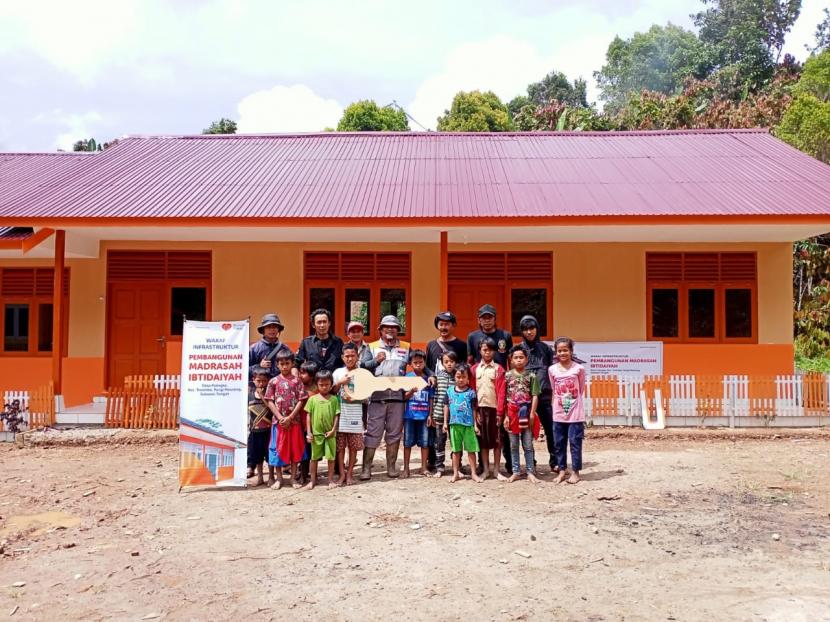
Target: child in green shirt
322	417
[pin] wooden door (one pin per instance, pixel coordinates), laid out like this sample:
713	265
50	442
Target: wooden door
466	299
136	330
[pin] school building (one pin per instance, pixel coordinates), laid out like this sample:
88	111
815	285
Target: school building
679	236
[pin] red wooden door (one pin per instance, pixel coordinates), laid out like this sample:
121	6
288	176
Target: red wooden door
466	299
136	329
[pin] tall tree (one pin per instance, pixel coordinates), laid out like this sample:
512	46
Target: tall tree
806	123
366	116
745	37
475	111
556	86
222	126
823	33
657	60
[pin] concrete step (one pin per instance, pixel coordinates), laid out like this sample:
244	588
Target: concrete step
91	414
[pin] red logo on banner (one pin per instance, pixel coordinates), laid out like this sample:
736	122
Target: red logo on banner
226	326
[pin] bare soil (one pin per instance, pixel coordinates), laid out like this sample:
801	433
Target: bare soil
684	526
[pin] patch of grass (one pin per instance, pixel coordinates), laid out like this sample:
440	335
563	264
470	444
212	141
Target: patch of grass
816	364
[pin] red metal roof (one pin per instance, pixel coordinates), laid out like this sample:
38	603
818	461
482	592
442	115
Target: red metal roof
22	174
440	175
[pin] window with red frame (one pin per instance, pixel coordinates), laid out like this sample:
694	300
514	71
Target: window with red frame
359	287
26	300
702	297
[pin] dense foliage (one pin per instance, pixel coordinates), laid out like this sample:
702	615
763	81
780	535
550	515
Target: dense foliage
367	116
475	111
659	60
222	126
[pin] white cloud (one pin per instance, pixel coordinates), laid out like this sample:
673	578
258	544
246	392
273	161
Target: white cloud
501	64
73	37
287	109
76	126
804	29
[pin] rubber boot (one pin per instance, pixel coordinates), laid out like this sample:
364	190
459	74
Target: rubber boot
391	459
366	466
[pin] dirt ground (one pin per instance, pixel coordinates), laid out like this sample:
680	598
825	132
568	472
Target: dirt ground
687	526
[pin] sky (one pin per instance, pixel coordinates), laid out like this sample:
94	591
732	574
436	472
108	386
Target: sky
109	68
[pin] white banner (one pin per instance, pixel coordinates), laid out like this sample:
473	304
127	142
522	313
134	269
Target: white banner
621	358
214	402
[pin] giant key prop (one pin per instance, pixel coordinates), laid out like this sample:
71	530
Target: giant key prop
366	383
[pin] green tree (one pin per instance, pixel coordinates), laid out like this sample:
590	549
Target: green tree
811	290
556	86
366	116
744	38
823	33
806	123
657	60
222	126
731	25
87	144
475	111
517	103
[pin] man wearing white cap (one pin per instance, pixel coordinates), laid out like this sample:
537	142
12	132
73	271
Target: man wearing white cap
355	332
386	408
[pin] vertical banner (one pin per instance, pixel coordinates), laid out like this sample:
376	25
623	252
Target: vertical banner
214	400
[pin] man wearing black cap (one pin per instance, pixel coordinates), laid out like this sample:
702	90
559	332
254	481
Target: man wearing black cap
321	346
504	341
445	322
264	352
487	328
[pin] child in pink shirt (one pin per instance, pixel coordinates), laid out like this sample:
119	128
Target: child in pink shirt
567	380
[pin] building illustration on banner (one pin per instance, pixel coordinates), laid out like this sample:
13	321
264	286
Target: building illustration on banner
206	456
213	429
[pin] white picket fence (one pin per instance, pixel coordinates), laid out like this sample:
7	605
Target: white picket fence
167	382
721	400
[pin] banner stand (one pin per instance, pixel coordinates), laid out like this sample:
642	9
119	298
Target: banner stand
213	405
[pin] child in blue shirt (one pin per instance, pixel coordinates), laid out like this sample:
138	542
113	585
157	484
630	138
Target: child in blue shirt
415	428
459	419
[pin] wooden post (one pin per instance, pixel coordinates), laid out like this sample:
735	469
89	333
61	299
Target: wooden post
445	294
58	311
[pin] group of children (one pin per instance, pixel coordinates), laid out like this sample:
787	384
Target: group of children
298	419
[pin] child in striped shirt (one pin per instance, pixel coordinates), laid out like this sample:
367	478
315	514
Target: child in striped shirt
445	378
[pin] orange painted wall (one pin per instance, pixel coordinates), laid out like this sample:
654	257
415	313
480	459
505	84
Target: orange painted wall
716	359
24	373
83	377
598	295
241	291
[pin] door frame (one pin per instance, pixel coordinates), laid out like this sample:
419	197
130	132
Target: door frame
506	303
107	319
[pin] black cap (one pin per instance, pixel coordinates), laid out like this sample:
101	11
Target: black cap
445	316
487	309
